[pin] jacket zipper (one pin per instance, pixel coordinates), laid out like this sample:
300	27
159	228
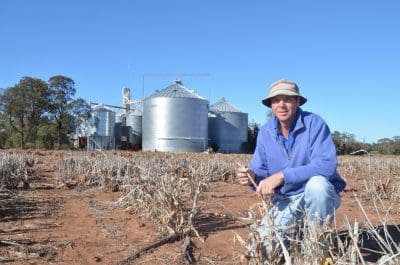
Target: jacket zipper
283	147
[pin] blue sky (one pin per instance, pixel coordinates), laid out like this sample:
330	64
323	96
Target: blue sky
344	55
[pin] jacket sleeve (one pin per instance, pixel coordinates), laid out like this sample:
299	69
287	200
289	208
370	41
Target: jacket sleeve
322	156
259	163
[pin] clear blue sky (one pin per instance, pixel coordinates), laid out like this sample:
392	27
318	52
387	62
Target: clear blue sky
344	55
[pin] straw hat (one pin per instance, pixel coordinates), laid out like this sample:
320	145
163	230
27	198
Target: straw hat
283	87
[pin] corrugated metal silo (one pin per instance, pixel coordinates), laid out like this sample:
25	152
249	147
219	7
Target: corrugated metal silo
227	126
175	119
134	120
104	120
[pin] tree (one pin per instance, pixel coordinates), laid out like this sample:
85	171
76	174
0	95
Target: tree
3	130
396	145
62	90
346	143
80	112
252	133
23	105
339	142
46	136
385	146
3	135
65	111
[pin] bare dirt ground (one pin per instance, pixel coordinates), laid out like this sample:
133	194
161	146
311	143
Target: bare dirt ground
73	226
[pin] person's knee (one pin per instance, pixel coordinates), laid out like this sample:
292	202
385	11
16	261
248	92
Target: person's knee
320	192
317	185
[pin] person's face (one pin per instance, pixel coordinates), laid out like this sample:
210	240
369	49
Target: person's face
284	107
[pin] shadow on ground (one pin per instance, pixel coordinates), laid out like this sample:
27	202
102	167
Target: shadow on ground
210	223
374	243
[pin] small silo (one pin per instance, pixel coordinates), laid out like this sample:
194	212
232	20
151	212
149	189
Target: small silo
103	120
227	126
175	119
134	120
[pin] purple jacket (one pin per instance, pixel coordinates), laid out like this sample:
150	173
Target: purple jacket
311	153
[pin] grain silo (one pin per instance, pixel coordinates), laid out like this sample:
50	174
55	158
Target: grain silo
134	120
103	120
175	119
227	127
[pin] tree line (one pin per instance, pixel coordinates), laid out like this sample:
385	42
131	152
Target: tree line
39	114
345	143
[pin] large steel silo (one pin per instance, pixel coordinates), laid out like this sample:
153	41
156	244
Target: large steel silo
134	120
175	119
227	126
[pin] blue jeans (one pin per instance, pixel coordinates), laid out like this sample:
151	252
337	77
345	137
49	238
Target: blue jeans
317	203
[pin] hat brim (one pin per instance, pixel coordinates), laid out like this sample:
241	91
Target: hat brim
267	101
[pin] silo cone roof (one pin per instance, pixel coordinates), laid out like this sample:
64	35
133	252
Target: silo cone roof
176	90
224	106
101	106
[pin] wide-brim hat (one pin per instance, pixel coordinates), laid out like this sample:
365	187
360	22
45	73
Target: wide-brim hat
283	87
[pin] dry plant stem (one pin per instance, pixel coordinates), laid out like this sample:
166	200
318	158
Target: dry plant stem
187	250
193	212
284	249
355	242
383	244
266	206
384	221
136	254
354	247
12	243
14	168
381	262
249	177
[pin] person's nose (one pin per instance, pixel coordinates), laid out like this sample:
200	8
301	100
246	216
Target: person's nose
281	102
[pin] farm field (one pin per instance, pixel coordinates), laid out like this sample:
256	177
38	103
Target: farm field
60	207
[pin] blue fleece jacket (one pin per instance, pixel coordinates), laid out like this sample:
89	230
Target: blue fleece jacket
311	152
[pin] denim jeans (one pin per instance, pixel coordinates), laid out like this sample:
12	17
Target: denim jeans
318	201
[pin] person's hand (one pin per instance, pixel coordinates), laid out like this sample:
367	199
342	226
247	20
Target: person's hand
243	174
267	186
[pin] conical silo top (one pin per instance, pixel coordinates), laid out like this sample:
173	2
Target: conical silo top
224	106
176	90
101	107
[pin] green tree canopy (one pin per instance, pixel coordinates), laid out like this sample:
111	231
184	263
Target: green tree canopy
66	111
23	105
40	113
